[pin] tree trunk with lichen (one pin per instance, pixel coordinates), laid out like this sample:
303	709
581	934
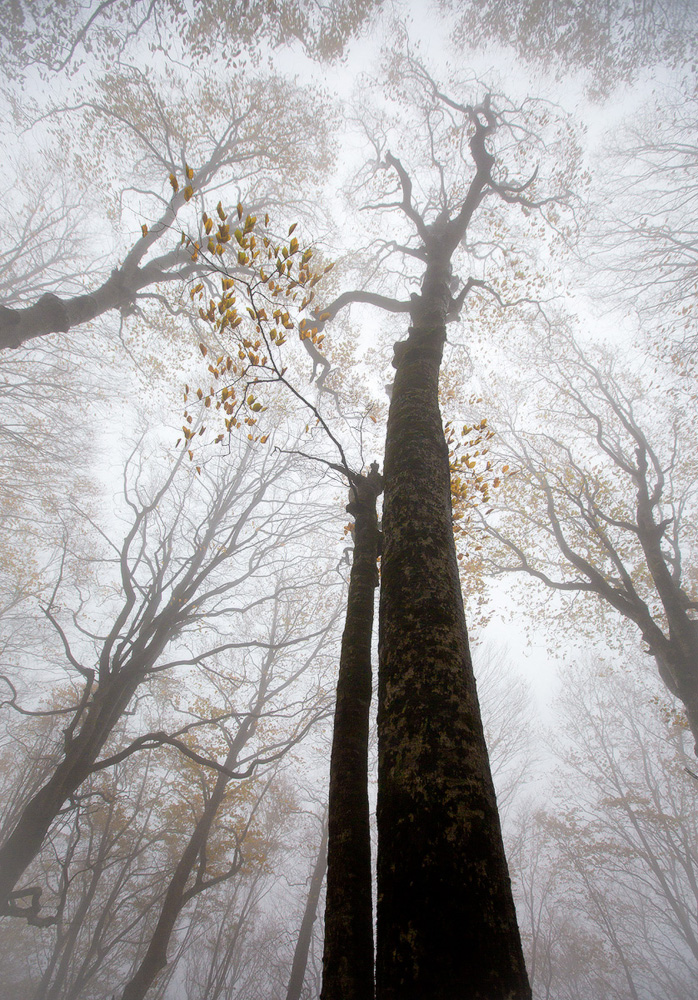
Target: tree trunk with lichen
446	925
348	951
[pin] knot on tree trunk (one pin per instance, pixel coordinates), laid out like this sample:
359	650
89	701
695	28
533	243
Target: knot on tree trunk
54	310
422	342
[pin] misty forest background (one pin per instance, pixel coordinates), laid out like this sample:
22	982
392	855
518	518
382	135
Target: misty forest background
173	500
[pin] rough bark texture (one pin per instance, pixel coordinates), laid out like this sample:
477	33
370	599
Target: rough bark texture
305	934
348	952
446	921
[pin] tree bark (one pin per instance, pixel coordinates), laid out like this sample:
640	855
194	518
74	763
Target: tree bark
348	951
305	934
446	926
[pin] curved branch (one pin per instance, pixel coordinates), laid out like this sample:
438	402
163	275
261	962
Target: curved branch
12	703
29	913
150	741
368	298
406	204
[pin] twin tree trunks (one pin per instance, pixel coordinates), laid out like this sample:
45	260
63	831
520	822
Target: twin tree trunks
446	923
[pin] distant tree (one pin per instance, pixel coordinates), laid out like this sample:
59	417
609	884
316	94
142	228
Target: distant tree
602	504
103	876
220	846
65	37
304	939
115	853
197	546
508	720
45	452
606	879
231	939
641	244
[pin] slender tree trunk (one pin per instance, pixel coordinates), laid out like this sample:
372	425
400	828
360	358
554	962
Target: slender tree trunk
305	934
348	952
25	841
446	921
155	958
51	990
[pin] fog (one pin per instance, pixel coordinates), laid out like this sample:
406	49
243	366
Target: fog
349	487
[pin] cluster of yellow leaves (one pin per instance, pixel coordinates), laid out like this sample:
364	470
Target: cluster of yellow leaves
473	475
188	188
275	281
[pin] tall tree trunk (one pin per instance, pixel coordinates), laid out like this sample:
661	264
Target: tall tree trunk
305	934
348	953
446	921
